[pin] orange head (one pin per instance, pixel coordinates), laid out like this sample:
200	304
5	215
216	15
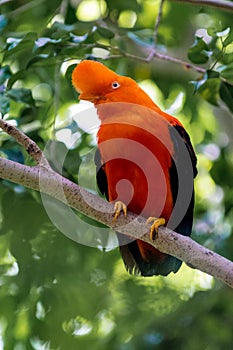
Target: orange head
98	84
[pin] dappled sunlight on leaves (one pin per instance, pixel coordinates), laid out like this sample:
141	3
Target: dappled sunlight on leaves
59	294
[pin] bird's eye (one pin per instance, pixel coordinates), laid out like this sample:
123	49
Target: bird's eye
115	85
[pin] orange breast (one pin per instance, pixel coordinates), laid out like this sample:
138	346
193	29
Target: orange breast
137	166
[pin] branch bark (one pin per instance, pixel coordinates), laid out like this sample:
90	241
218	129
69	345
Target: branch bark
44	179
30	146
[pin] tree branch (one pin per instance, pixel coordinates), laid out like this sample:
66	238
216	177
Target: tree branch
30	146
222	4
46	180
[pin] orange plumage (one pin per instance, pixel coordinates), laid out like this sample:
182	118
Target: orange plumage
144	159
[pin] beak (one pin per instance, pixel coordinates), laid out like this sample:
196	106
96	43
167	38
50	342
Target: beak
88	97
84	96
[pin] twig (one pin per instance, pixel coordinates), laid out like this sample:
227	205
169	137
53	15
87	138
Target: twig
221	4
64	7
185	64
155	36
153	54
157	22
46	180
30	146
163	57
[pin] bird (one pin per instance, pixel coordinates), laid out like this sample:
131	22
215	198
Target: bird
145	162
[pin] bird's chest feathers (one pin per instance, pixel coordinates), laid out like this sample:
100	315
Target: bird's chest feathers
136	137
137	159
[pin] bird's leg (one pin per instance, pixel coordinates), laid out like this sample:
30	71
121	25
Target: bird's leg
118	207
154	227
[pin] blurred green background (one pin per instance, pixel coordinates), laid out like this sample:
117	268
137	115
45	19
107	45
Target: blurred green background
54	292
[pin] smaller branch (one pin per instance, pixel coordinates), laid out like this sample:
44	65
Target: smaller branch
157	22
221	4
64	7
185	64
30	146
153	54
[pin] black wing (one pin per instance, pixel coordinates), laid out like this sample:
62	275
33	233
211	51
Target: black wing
186	139
101	177
180	138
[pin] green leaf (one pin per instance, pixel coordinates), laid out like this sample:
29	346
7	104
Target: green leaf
199	51
105	32
4	104
216	30
228	40
14	45
78	38
3	22
37	58
211	31
210	90
212	74
197	84
226	94
40	42
69	72
227	59
18	75
61	27
226	72
223	32
21	95
13	42
5	74
208	75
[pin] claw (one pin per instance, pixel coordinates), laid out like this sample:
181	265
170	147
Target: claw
118	207
154	227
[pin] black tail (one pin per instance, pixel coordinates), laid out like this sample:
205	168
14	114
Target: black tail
156	263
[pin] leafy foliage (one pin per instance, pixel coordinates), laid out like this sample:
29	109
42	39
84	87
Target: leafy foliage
56	293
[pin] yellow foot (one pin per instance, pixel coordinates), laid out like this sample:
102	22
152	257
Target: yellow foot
118	207
154	227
